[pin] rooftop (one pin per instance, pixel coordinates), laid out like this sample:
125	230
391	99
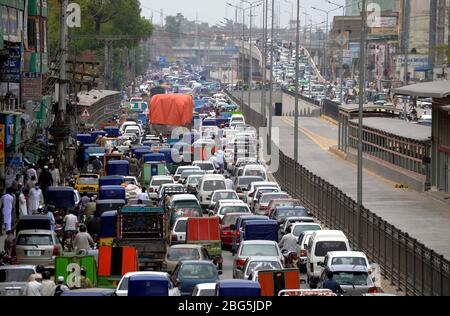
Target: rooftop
93	96
398	127
434	89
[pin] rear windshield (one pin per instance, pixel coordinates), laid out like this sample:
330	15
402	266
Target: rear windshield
303	228
323	247
292	213
233	209
351	278
255	173
266	198
180	171
225	196
186	204
34	240
181	226
198	271
206	166
194	180
259	250
214	185
263	265
176	254
353	261
159	182
247	181
88	181
15	275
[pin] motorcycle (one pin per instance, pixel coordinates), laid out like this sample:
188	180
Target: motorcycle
5	259
290	259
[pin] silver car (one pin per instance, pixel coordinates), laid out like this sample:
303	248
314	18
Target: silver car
37	247
13	279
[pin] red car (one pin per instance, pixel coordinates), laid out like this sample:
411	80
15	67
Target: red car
226	234
282	202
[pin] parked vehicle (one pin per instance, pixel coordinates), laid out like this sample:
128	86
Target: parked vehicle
322	242
188	273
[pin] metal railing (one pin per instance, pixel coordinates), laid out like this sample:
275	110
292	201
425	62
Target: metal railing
407	263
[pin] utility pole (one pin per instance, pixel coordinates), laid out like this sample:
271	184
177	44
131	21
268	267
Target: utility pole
60	123
433	39
406	12
362	83
264	61
297	78
269	144
250	77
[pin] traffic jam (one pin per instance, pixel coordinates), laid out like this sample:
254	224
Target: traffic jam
171	198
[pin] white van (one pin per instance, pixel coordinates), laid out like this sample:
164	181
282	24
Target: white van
209	184
322	242
255	171
237	118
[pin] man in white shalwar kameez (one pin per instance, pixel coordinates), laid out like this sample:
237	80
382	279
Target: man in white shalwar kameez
35	198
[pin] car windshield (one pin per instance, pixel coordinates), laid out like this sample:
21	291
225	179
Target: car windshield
206	166
176	254
255	173
286	204
15	275
353	261
159	182
88	180
225	196
229	219
207	292
297	212
198	271
267	197
233	209
194	180
323	247
246	181
214	185
263	265
186	204
268	190
303	228
180	226
259	250
180	171
351	278
34	240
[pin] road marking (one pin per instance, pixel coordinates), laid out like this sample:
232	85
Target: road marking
323	142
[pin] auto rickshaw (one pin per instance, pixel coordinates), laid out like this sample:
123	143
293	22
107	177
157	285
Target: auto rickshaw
108	228
109	142
96	134
110	157
118	167
139	153
233	288
62	198
112	192
151	169
148	285
111	180
103	206
87	183
274	281
112	131
84	138
91	154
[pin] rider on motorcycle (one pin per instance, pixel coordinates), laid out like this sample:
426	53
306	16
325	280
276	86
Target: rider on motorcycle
332	285
289	242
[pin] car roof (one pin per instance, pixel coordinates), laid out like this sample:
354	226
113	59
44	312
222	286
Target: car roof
258	242
305	223
260	258
206	286
36	231
17	267
329	233
347	254
268	183
161	177
184	246
205	262
231	203
347	268
179	197
213	177
138	273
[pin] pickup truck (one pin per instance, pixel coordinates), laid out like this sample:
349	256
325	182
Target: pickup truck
145	228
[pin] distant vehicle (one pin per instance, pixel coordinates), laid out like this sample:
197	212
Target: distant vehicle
188	273
205	289
178	232
123	286
209	184
155	184
254	264
177	253
222	195
37	247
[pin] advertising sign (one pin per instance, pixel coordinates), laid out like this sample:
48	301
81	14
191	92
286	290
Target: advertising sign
354	48
10	67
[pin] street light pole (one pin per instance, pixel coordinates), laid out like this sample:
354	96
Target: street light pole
297	70
362	81
264	61
269	144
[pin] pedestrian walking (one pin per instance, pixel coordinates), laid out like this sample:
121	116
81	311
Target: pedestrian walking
55	175
35	199
60	288
7	202
23	202
45	181
47	285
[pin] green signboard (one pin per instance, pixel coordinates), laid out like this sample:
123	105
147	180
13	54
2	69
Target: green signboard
70	269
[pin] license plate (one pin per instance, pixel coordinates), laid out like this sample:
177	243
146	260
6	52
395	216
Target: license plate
12	292
33	253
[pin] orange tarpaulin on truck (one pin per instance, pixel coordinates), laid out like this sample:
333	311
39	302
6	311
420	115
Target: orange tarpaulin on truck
171	109
272	282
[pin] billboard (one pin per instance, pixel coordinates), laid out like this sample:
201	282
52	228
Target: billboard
354	48
10	67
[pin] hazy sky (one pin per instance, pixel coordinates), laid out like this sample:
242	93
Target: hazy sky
212	11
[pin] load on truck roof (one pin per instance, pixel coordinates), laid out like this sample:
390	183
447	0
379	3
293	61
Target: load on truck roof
171	109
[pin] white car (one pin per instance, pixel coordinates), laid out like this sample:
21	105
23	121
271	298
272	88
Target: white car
204	289
230	206
222	195
122	287
178	232
180	170
298	228
209	184
354	258
207	166
254	264
156	183
135	129
237	118
256	171
249	194
128	124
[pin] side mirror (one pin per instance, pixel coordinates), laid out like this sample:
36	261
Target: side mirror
219	272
